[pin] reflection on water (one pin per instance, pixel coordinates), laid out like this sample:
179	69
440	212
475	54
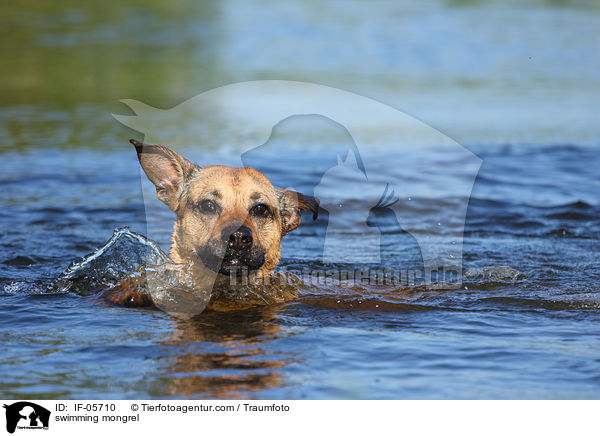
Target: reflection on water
336	342
456	65
516	81
242	363
350	341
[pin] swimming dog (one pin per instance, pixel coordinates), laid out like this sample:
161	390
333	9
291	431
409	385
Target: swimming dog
227	219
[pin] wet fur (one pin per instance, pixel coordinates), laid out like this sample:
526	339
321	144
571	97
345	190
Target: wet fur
197	236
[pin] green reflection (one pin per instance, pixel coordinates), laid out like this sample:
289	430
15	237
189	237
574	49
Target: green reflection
64	53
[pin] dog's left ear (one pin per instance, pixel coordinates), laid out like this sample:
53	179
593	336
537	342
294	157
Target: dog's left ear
166	169
291	205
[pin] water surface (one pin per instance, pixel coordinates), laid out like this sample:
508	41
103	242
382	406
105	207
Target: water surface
517	84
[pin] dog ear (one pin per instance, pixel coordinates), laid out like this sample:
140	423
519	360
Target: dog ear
165	168
291	205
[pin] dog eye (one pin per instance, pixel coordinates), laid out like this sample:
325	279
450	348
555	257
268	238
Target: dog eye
207	206
260	210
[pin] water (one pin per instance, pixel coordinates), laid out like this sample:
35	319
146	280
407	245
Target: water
69	178
532	335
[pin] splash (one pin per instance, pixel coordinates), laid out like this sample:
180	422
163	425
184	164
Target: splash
493	273
131	266
130	261
124	253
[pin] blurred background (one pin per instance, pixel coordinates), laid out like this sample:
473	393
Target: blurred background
516	82
480	71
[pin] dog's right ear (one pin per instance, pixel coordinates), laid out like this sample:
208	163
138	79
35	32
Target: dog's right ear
165	168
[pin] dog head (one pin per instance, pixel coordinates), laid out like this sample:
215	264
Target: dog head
227	218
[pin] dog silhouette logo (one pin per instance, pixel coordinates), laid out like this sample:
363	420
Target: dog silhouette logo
390	186
337	202
26	415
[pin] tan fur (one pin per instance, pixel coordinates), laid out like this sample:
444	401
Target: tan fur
234	187
182	186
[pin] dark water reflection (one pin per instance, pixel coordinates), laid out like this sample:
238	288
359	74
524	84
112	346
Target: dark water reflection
532	335
522	96
241	364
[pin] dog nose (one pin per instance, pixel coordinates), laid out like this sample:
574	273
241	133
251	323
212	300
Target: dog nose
238	238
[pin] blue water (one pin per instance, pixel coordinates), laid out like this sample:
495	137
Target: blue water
535	336
516	84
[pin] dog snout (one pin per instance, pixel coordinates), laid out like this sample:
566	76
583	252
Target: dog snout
237	238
